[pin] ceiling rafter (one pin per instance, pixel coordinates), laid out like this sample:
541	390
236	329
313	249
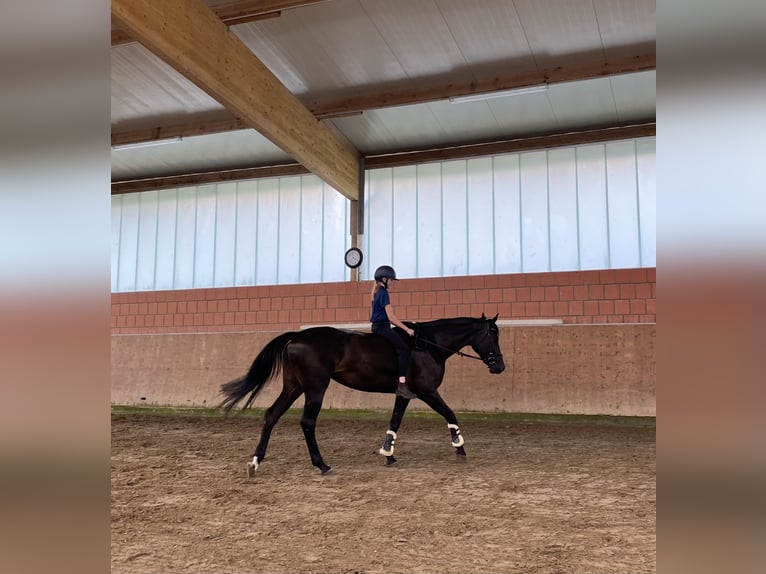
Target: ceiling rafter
359	104
544	141
182	33
556	75
233	13
397	159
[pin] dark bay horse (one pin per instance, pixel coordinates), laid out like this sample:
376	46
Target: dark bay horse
308	359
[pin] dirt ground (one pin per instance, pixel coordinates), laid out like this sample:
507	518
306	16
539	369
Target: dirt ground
533	498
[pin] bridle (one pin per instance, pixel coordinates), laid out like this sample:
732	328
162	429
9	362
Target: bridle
490	360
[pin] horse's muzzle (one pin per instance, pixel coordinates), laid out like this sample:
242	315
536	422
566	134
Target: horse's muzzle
495	363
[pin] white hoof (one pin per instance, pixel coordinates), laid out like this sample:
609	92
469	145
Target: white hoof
252	467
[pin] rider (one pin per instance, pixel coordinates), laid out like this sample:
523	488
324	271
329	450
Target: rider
382	316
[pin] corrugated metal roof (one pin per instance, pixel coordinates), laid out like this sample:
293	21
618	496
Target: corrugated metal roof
346	48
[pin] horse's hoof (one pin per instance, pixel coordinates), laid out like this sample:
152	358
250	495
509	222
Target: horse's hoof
250	470
327	470
461	457
391	461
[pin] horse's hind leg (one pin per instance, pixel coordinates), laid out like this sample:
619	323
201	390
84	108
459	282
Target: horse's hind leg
436	402
290	392
311	410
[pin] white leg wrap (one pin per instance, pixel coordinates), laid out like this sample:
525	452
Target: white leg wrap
255	463
390	443
457	438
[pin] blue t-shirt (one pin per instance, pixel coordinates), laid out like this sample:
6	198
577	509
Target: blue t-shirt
379	303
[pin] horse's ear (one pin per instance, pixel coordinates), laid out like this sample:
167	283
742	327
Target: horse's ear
494	319
482	316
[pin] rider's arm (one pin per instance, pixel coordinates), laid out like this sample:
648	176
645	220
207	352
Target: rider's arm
395	320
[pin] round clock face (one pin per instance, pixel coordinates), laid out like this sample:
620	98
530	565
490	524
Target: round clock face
354	257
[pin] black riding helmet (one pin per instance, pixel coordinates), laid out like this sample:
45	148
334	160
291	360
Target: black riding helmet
385	271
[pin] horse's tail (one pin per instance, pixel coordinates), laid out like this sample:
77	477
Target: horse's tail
267	365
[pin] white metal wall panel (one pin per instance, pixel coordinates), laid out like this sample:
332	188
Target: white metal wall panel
225	234
335	239
204	237
583	207
115	240
481	239
405	253
288	262
507	216
622	199
311	246
592	207
147	240
562	194
167	209
429	230
646	161
454	211
534	212
247	232
126	273
268	232
379	213
185	238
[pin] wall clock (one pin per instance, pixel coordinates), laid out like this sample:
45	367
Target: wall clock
354	257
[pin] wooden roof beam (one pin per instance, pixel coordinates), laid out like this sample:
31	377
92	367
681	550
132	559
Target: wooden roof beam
546	141
202	178
191	39
360	104
549	76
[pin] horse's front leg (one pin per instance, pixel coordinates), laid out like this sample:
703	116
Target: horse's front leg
387	450
434	400
311	410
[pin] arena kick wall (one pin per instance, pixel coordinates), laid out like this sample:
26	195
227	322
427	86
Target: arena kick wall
574	342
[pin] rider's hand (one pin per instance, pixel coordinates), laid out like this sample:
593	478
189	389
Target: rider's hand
410	332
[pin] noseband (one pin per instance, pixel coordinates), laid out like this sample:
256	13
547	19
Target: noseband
490	359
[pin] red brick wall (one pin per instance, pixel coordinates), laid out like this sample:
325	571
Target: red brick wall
612	296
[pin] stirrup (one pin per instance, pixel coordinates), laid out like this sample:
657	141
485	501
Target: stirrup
457	438
388	444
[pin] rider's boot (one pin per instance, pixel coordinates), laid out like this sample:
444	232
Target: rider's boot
402	390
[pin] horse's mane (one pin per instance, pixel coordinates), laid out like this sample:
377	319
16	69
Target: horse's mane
427	328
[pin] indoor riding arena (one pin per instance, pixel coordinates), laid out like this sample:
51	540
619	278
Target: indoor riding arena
500	157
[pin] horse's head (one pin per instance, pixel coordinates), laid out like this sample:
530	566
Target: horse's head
486	344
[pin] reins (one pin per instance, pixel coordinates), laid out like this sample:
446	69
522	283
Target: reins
443	348
490	360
